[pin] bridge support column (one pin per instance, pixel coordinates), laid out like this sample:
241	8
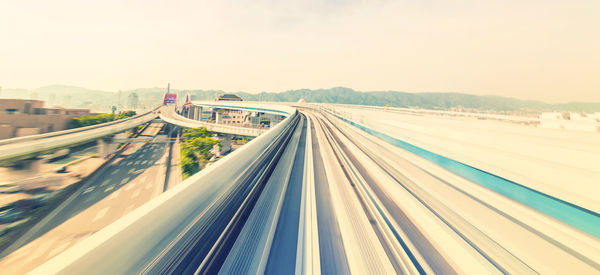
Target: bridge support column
22	170
197	112
25	167
106	146
171	130
225	145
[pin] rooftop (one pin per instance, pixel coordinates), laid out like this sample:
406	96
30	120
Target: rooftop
230	97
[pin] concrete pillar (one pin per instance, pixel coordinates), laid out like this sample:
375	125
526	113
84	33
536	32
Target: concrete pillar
225	145
106	146
22	171
26	166
197	112
172	131
219	117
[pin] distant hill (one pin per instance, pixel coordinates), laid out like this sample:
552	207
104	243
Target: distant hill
64	96
71	96
442	101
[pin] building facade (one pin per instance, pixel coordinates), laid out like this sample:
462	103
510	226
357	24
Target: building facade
20	117
233	117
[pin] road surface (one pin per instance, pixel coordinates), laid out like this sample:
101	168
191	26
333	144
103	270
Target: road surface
135	177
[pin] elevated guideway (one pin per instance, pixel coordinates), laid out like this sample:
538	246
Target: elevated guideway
15	149
560	164
160	235
30	146
318	193
169	115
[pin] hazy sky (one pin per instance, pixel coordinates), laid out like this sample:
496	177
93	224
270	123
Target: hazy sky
538	49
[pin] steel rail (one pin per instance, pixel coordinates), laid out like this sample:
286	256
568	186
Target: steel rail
250	253
372	208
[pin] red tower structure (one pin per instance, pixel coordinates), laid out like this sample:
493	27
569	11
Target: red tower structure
188	102
170	99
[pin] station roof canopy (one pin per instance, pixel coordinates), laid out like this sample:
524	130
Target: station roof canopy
228	97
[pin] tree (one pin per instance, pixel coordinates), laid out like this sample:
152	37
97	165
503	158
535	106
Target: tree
197	132
88	120
126	114
195	150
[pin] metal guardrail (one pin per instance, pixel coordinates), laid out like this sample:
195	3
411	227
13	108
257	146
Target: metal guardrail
125	245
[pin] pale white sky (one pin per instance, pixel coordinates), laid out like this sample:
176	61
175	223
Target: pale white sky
537	49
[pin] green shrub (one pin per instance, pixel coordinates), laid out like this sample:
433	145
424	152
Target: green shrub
195	149
88	120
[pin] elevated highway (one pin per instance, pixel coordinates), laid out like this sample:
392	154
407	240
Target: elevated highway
322	192
20	148
14	149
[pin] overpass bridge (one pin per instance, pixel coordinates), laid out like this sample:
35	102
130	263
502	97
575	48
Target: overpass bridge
15	149
337	190
168	115
20	148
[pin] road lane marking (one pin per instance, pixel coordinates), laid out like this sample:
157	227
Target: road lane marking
131	170
100	214
125	180
109	188
89	189
104	183
114	172
137	162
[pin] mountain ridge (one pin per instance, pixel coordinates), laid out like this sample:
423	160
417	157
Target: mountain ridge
342	95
